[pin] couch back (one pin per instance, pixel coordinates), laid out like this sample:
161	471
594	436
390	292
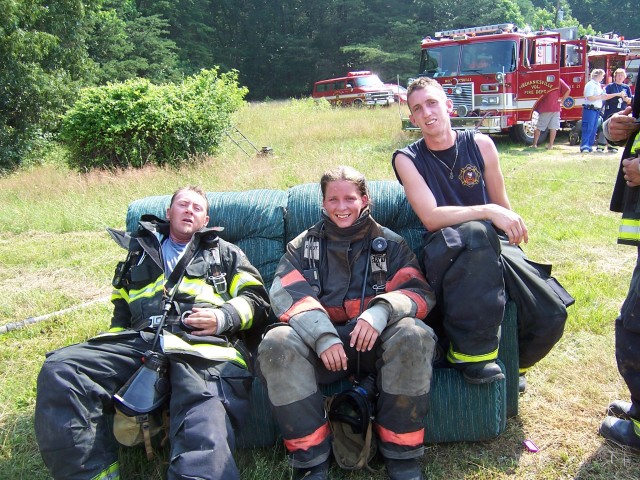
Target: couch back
262	222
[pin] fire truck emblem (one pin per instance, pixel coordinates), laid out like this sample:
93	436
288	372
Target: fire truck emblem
469	176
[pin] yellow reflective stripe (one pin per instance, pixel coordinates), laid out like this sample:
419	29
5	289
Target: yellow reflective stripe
456	357
173	344
636	426
243	308
201	291
148	291
242	280
629	229
116	330
111	473
522	370
119	294
635	148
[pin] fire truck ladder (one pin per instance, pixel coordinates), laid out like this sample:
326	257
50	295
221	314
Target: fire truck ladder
613	44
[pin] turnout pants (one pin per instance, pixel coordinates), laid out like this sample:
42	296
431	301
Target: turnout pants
402	360
628	338
462	264
74	410
472	270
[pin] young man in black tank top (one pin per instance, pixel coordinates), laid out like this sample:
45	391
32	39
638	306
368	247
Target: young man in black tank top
455	185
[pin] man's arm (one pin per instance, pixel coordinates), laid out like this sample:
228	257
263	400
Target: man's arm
565	91
245	310
435	217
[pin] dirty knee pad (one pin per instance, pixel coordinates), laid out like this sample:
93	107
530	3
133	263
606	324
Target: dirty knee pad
407	354
287	365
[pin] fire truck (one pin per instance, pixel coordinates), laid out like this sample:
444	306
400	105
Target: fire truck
357	88
496	74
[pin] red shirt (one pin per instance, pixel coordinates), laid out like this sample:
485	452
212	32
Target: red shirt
549	102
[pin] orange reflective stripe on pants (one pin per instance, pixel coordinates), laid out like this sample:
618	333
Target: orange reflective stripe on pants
311	440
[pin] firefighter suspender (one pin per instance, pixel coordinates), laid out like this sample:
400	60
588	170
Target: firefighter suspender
312	256
216	276
378	259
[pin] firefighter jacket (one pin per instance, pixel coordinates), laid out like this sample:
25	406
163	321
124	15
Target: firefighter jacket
627	199
319	281
218	275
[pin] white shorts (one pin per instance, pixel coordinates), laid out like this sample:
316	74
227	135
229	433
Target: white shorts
548	120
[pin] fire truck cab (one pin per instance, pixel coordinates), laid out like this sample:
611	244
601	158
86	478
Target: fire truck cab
496	74
356	88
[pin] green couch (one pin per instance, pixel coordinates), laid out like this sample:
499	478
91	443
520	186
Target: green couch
261	222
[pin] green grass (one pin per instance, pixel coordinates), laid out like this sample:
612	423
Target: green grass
55	254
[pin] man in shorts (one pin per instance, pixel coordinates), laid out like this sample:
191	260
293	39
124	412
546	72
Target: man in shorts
548	109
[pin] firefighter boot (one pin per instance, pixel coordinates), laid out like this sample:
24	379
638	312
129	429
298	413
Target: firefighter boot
317	472
406	469
622	409
482	372
522	383
621	432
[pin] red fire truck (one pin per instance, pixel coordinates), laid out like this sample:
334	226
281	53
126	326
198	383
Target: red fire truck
496	74
357	88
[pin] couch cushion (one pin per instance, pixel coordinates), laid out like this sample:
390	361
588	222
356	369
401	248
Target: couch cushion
253	220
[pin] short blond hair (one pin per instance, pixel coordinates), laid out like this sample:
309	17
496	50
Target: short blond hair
421	83
191	188
597	72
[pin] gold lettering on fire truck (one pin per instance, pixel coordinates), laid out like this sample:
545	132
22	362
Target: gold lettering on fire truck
535	87
469	176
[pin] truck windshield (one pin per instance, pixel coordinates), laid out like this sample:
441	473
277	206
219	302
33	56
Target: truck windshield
489	57
460	59
368	81
439	61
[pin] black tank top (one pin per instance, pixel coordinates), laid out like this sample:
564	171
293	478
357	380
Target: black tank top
467	187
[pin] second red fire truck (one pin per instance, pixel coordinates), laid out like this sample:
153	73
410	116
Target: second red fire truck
496	74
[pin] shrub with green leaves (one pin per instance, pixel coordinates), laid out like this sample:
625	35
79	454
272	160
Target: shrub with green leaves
135	123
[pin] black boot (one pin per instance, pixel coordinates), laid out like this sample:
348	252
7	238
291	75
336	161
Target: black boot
407	469
622	409
620	432
522	383
481	372
317	472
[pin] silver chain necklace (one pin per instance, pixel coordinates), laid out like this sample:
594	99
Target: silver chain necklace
445	165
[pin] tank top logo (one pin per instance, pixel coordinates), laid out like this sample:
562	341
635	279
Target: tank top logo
469	176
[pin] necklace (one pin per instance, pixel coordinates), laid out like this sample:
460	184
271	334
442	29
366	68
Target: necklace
445	165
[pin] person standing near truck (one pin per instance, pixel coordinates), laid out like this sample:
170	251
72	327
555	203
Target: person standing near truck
548	109
616	104
594	95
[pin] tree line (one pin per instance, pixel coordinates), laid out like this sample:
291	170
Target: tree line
50	50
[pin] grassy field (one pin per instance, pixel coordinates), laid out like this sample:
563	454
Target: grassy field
55	254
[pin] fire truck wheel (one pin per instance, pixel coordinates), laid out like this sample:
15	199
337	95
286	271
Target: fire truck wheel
523	133
357	103
576	134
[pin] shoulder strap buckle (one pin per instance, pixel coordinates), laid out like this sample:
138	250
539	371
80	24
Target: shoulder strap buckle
217	277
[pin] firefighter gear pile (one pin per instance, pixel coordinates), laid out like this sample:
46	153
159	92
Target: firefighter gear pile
209	375
319	290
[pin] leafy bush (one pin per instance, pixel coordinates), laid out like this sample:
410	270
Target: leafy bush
134	123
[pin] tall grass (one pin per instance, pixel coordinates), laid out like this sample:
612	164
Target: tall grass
54	254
